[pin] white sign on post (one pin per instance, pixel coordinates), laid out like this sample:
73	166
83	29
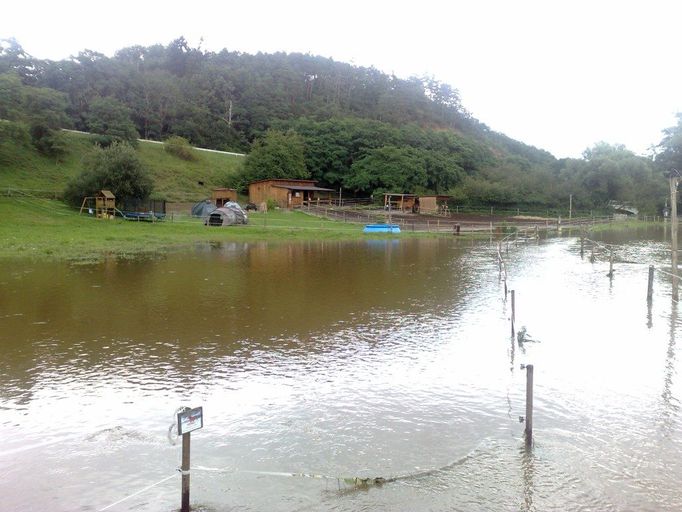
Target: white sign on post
190	420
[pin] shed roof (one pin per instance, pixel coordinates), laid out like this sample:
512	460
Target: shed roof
107	193
304	187
282	179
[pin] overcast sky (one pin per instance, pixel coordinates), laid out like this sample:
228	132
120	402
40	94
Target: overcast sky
559	75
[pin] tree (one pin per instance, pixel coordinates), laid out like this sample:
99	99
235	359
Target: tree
45	111
277	155
11	96
389	169
116	168
111	118
670	155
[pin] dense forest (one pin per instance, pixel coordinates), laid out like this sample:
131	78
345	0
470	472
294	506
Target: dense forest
299	115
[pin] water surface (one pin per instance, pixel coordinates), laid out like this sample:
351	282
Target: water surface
378	358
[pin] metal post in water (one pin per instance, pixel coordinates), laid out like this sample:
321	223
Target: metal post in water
582	246
650	287
185	472
610	274
529	405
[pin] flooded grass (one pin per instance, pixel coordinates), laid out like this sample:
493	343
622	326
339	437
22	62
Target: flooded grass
46	229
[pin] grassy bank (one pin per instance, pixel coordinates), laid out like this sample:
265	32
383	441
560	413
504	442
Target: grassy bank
174	179
47	229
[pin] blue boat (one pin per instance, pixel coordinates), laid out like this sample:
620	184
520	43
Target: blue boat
381	228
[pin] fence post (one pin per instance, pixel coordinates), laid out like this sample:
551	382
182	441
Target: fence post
529	405
513	314
185	472
650	287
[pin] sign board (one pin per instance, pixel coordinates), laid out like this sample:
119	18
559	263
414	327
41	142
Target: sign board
189	420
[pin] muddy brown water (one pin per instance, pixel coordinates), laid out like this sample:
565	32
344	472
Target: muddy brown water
343	359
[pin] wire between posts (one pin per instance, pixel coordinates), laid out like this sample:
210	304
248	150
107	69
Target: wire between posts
138	492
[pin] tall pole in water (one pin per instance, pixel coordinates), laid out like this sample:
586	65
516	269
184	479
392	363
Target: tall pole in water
674	179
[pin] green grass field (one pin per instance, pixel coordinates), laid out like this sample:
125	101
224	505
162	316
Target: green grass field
48	229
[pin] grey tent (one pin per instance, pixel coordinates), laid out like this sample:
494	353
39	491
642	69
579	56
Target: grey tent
242	218
226	216
203	208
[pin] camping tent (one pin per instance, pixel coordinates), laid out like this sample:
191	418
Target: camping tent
203	208
241	214
227	216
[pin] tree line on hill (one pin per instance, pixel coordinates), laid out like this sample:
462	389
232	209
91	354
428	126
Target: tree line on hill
299	115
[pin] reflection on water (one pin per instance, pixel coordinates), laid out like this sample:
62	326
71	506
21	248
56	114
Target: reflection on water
380	359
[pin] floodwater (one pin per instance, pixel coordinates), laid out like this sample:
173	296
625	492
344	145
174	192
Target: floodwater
341	360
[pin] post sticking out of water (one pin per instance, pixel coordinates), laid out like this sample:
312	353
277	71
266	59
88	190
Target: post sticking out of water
610	274
185	472
499	257
188	421
674	179
582	246
529	405
650	287
513	314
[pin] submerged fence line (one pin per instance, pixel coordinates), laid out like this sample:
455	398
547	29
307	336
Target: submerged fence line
138	492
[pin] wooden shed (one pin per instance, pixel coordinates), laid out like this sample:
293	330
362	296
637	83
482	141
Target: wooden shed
401	202
435	204
289	193
220	196
105	204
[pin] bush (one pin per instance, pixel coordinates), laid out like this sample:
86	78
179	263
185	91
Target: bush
103	141
16	133
116	168
48	141
180	147
271	204
12	135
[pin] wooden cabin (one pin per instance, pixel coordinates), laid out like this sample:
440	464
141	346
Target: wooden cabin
220	196
289	193
105	204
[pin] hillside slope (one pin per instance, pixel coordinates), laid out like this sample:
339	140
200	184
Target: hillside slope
23	167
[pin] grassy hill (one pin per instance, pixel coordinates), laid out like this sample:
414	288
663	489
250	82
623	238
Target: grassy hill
22	167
